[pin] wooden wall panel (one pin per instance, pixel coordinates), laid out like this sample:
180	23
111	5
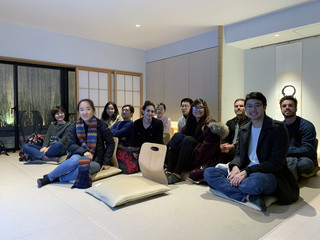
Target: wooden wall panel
203	78
176	84
155	82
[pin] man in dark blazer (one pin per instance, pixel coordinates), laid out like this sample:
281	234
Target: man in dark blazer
259	166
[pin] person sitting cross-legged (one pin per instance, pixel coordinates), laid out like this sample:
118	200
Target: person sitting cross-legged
259	166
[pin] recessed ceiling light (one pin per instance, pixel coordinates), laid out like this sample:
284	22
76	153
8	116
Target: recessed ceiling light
138	25
277	35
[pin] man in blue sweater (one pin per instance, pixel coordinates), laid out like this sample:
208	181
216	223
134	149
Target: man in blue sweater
302	136
124	129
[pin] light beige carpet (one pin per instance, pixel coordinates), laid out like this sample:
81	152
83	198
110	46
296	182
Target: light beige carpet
187	211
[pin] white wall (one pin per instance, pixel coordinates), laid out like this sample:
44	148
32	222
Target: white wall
35	44
260	75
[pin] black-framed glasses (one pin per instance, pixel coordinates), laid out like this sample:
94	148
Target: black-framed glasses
198	107
255	106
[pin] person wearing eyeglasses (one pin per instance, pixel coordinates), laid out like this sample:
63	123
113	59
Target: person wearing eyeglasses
302	135
259	166
196	147
185	106
124	129
229	144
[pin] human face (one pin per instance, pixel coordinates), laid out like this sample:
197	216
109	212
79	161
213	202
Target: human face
198	111
239	108
160	111
110	110
86	112
255	109
126	114
148	113
288	109
59	116
185	108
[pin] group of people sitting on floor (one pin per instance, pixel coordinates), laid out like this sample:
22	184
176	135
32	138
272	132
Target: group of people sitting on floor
261	156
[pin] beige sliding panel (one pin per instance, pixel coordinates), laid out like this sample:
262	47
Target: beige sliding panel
129	90
204	82
94	84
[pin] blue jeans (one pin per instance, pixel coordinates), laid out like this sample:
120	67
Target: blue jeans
68	170
57	149
304	165
255	184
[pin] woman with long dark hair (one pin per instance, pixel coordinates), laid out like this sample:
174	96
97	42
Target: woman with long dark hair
88	137
147	128
110	114
197	145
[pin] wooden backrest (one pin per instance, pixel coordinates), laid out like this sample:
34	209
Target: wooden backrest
114	161
151	161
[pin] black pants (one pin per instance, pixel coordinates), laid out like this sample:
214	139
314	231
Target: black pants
178	158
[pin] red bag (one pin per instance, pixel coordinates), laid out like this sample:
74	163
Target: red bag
128	163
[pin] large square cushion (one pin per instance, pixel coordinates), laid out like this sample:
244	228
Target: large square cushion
122	189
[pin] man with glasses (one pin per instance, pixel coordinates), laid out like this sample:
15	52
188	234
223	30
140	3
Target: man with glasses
302	135
124	129
185	109
229	144
259	166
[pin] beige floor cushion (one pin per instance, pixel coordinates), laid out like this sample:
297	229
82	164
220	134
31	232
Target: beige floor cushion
118	191
267	199
105	173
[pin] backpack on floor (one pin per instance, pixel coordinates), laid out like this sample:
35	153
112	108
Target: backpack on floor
3	149
34	138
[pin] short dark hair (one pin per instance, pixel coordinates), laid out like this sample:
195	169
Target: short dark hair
162	104
289	97
88	101
258	96
239	99
130	107
148	103
189	100
55	110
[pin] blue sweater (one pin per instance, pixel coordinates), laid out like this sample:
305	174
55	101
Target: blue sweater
302	136
124	131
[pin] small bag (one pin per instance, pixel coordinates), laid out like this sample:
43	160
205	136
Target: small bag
83	179
3	149
36	139
128	163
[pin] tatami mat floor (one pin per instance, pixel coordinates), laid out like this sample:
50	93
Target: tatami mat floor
187	211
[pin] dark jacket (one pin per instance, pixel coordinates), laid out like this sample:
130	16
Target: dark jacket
104	147
272	149
302	137
153	134
232	127
207	151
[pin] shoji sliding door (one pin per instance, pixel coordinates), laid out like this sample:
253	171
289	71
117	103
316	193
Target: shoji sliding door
128	90
95	85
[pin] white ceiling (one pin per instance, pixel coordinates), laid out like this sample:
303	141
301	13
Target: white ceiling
113	21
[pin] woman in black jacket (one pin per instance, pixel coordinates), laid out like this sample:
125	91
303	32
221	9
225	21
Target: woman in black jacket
88	137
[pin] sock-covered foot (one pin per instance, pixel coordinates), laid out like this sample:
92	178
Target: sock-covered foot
258	201
50	159
54	180
43	181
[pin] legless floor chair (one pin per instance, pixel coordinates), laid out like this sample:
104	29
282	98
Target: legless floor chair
119	190
113	170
